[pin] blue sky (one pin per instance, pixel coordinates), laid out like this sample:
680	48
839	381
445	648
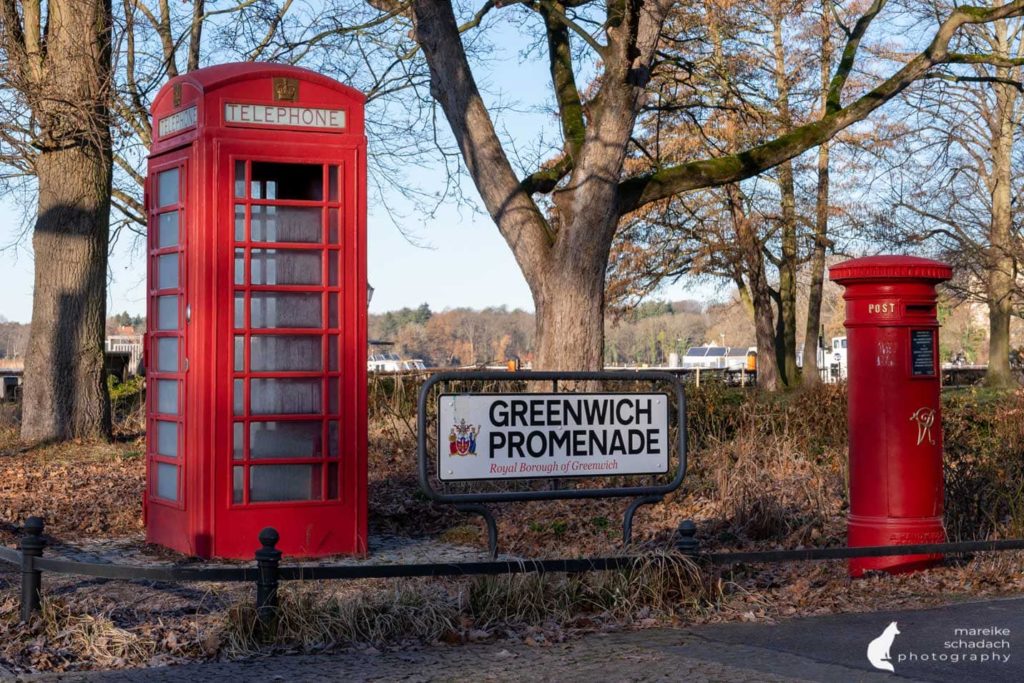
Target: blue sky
455	258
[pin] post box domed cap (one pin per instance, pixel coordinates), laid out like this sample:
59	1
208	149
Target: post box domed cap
890	268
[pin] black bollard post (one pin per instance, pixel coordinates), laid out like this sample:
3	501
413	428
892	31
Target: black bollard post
32	545
686	541
267	560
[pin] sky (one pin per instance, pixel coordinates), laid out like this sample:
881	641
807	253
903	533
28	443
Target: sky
454	258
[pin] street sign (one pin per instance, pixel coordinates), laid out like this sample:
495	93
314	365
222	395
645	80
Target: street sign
517	436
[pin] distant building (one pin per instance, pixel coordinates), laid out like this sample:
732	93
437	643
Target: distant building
718	357
123	354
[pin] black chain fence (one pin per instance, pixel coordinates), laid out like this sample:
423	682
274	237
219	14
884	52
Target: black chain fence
267	573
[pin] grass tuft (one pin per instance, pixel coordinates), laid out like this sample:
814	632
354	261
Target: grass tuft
95	637
657	585
310	620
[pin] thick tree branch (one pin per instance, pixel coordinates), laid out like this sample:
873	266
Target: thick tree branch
556	11
640	190
129	206
563	77
993	60
952	78
13	34
129	169
195	38
835	90
545	180
518	218
163	29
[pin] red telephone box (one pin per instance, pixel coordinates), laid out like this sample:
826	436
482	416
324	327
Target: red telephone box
895	422
256	345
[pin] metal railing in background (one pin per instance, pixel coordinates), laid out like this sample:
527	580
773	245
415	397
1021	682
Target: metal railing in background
268	573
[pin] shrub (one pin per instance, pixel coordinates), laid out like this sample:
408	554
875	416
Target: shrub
983	435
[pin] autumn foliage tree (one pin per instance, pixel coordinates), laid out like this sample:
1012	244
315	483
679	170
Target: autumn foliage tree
767	70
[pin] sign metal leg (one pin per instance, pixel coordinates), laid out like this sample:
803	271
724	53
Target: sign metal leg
627	521
492	525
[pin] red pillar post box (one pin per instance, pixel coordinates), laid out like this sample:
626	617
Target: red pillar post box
256	341
894	412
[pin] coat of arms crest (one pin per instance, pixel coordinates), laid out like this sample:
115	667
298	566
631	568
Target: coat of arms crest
462	439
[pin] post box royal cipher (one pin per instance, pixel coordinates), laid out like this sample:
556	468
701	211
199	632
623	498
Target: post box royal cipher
895	425
256	344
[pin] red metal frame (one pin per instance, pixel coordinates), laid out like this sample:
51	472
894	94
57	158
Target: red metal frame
206	520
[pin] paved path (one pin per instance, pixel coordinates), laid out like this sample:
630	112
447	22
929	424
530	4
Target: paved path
829	648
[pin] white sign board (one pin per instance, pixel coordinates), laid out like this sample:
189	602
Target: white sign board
177	122
516	436
275	115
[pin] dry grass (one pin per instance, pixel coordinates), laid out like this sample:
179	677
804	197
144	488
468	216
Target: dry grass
659	585
766	483
766	471
310	617
94	637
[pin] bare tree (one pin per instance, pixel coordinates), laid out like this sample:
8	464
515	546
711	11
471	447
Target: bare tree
57	67
155	41
77	81
763	80
564	254
958	180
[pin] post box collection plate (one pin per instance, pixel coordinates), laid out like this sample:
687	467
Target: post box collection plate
922	353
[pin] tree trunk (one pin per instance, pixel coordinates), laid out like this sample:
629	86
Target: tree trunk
764	332
786	341
65	392
786	350
999	373
1001	265
815	294
744	294
760	293
1000	283
569	303
564	260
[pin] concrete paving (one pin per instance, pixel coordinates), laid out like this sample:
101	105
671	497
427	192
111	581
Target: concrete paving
928	647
